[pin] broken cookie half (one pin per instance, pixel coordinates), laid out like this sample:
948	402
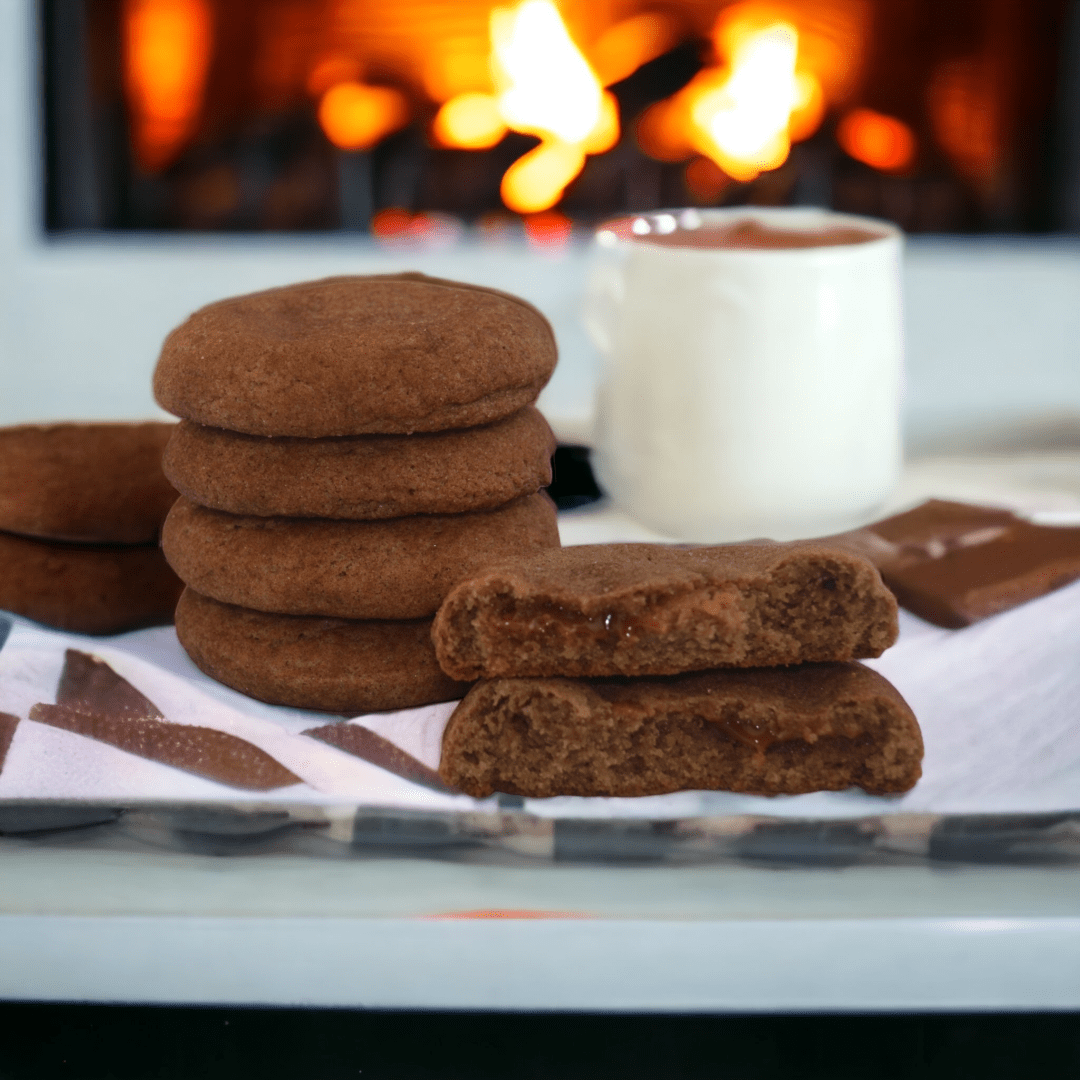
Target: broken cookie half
649	609
821	727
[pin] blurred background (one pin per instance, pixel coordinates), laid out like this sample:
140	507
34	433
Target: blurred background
156	155
419	118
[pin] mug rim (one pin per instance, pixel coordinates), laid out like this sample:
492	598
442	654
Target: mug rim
886	233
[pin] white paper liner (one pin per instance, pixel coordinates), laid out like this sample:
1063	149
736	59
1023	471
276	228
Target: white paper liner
999	706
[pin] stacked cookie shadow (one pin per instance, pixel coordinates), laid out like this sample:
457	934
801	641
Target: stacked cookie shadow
638	669
81	510
350	449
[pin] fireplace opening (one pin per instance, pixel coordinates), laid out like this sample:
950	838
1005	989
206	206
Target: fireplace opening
418	119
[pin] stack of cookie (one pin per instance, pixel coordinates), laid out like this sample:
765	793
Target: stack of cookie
350	449
638	669
81	510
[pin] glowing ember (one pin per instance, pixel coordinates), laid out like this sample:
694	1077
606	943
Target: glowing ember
356	117
397	227
881	141
471	121
166	55
548	231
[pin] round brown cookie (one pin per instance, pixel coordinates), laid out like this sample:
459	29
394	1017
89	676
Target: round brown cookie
399	568
363	476
87	589
356	355
336	665
91	483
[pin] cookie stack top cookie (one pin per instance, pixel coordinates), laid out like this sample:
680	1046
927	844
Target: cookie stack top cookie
386	354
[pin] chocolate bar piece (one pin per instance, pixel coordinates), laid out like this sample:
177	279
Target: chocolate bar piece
654	609
362	743
764	731
8	724
953	564
93	700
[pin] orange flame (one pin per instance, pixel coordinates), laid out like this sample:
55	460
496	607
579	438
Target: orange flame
536	180
356	117
770	91
621	49
877	140
471	121
166	56
545	87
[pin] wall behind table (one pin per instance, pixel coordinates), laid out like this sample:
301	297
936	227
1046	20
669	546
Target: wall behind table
993	326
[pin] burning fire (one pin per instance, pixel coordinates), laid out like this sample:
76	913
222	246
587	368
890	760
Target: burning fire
745	114
518	68
742	124
471	121
167	53
543	86
781	63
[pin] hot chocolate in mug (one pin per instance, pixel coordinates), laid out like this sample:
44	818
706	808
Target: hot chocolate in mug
752	370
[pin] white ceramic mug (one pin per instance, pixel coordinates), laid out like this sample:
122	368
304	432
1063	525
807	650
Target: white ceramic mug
747	392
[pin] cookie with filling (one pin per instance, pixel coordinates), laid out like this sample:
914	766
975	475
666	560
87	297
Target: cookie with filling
760	731
655	609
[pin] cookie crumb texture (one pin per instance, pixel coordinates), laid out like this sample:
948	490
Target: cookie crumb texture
356	355
778	731
645	609
334	665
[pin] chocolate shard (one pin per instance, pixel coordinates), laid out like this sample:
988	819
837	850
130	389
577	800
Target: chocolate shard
89	685
93	700
954	564
362	743
209	753
8	724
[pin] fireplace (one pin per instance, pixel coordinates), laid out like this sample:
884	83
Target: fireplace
421	118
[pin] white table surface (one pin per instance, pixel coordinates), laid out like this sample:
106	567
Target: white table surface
122	927
83	923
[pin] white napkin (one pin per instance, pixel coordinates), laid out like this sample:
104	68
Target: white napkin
999	706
